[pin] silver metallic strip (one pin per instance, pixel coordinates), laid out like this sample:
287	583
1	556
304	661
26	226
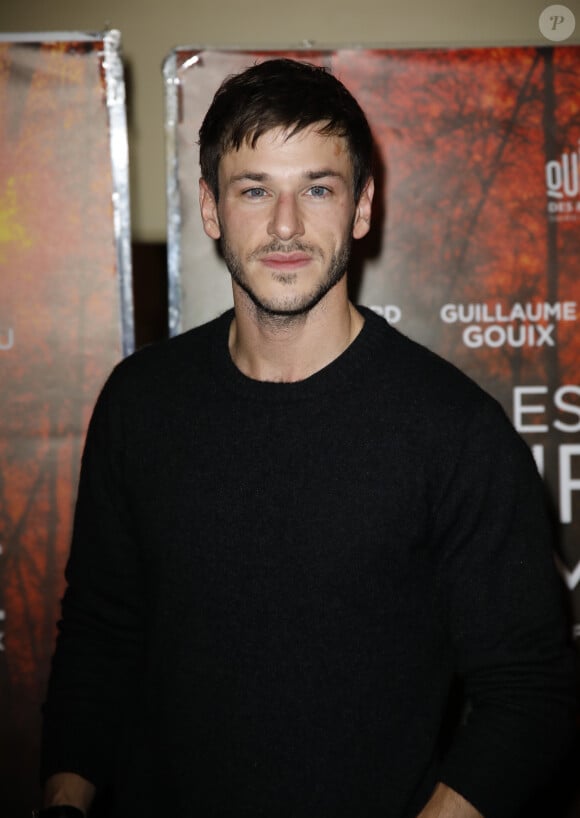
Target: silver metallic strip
115	91
173	199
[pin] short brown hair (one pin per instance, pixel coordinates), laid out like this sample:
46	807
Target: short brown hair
289	94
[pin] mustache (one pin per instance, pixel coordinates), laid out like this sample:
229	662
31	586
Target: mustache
277	246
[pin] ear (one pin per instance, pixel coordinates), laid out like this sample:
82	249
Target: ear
362	216
208	208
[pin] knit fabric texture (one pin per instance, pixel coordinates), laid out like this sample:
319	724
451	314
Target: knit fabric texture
273	587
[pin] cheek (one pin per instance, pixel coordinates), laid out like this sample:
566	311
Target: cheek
240	228
336	227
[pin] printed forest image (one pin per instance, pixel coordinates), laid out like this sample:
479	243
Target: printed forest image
466	137
59	337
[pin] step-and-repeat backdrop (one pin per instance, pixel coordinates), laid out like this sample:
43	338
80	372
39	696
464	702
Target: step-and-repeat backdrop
474	252
65	320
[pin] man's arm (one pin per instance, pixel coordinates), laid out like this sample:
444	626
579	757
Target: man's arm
446	803
505	619
70	789
99	649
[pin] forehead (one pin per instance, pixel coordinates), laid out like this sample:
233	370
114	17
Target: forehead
280	152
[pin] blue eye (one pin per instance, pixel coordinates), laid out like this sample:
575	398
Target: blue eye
318	191
255	192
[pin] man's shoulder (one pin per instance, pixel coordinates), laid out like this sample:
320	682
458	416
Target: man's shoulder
172	364
420	375
435	406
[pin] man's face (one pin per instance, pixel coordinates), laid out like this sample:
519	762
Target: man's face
286	218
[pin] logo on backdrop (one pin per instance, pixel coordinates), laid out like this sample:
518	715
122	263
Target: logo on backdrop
563	186
389	312
528	324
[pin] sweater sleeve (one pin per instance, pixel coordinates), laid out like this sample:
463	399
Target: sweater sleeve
505	617
100	642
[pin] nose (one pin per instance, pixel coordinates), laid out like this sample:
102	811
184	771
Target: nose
286	219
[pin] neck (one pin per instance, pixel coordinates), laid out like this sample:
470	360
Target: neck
290	348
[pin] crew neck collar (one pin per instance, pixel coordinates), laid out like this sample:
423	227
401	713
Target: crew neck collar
345	371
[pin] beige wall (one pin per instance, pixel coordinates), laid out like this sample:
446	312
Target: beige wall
151	29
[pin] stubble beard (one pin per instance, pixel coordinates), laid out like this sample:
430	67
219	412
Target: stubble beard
291	307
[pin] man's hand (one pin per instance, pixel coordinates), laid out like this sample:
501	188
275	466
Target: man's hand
70	789
446	803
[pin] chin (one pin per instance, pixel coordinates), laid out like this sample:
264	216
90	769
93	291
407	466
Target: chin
288	299
286	305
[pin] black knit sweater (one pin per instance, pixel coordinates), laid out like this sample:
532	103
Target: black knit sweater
272	587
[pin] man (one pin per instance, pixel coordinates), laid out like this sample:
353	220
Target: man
296	529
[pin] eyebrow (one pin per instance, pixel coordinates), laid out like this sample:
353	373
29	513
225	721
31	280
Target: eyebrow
311	175
322	174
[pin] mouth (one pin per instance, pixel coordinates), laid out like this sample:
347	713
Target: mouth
286	261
